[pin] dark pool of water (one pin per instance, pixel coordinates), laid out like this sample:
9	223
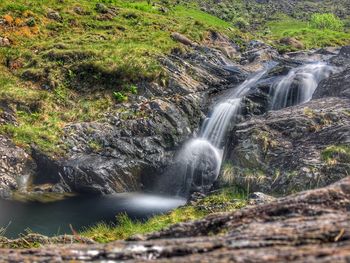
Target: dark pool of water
80	212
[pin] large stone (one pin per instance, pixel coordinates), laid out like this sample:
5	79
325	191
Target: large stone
338	85
292	149
16	168
4	42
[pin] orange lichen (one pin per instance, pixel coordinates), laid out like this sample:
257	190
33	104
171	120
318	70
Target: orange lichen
9	19
18	22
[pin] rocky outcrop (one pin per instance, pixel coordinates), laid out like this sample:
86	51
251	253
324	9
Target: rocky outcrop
292	149
311	226
337	85
16	168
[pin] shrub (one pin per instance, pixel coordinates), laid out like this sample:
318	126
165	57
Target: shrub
326	21
132	89
120	96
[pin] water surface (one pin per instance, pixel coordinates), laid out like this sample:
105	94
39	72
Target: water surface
82	211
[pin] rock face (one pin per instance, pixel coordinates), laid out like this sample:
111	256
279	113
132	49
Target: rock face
337	85
287	150
16	168
295	148
311	226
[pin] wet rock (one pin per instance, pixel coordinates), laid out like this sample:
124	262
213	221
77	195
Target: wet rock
16	168
311	226
284	151
338	85
343	58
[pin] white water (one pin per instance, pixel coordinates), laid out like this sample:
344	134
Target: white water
201	158
299	85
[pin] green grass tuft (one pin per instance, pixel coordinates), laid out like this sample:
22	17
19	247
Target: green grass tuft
224	201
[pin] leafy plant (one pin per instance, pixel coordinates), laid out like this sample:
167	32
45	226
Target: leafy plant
326	21
120	96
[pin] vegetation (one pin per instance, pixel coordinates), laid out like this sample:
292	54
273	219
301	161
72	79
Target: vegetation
336	153
308	34
224	201
71	62
326	21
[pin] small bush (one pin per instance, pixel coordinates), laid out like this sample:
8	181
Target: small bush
326	21
132	89
120	96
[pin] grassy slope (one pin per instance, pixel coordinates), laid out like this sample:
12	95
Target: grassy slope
56	54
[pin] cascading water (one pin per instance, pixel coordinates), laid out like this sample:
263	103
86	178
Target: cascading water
299	85
198	163
200	159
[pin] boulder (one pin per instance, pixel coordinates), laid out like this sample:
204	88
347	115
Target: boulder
182	39
54	15
4	42
292	149
16	168
338	85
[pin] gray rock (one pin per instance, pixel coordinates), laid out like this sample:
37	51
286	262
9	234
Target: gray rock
54	15
16	168
284	151
338	85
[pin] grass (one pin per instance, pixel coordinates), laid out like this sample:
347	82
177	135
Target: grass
282	27
336	153
224	201
58	72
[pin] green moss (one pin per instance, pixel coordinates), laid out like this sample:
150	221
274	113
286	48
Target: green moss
223	201
336	153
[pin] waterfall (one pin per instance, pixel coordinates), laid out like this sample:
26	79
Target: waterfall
299	85
198	163
200	159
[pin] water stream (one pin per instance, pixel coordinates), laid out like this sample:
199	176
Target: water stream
200	159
